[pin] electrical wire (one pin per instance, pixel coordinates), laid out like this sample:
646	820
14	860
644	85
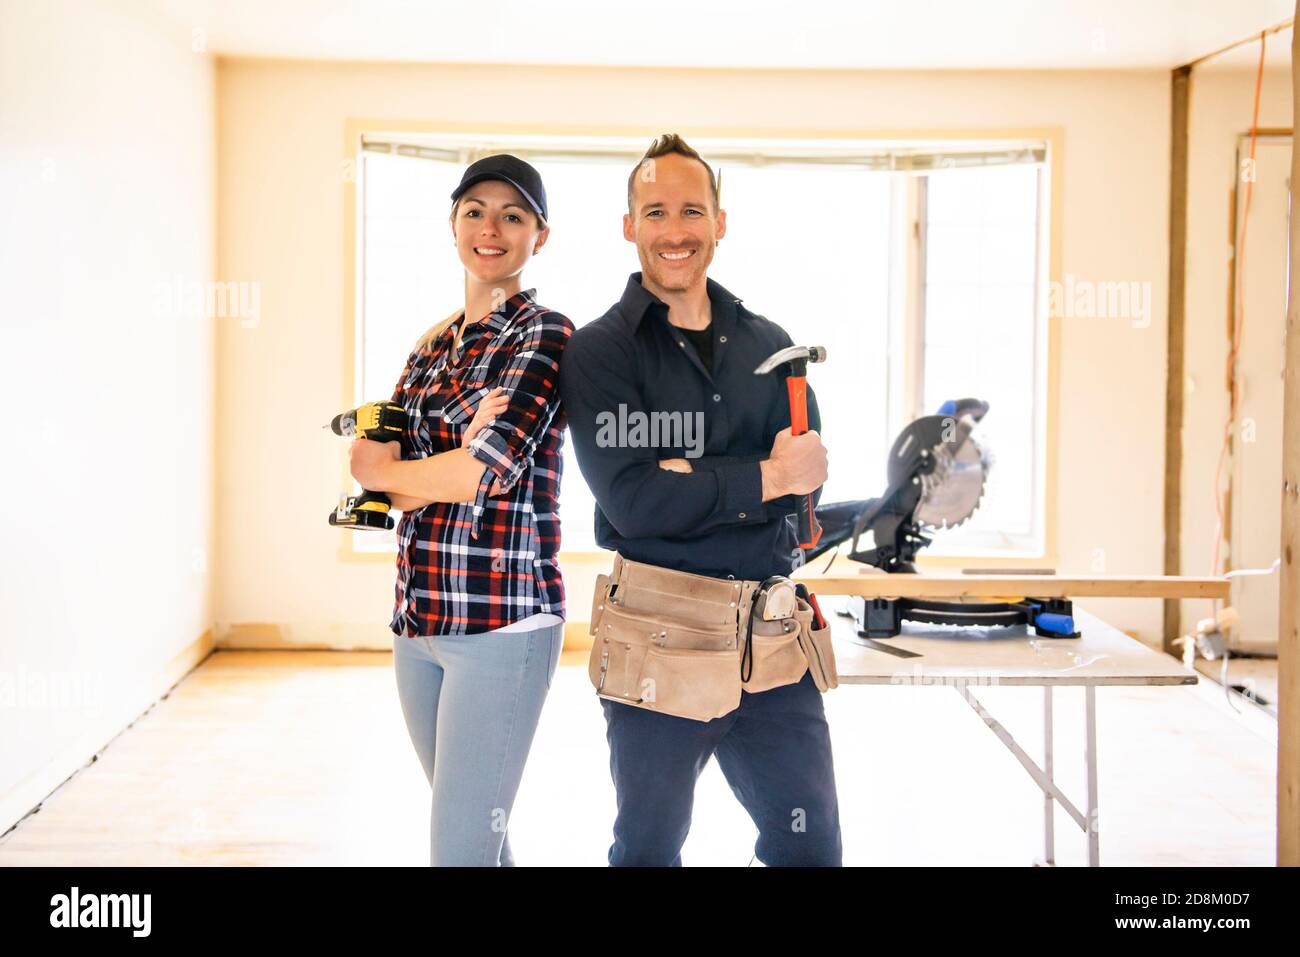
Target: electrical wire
1238	323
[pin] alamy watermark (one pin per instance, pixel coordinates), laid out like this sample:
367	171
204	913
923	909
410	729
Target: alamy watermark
75	909
184	298
657	430
1090	299
919	676
39	690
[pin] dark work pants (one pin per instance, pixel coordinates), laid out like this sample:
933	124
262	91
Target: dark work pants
775	752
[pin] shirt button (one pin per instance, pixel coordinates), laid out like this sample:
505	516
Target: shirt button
722	338
742	515
716	397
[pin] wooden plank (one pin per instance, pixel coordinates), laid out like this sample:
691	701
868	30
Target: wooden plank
1288	639
1253	38
881	585
1180	96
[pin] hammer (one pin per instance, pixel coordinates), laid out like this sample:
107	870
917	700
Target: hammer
797	358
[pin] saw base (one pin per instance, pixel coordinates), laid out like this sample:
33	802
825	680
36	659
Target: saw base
883	617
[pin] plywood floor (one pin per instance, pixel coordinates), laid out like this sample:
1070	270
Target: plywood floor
302	758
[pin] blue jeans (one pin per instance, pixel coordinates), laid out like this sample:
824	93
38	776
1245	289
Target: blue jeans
775	752
471	704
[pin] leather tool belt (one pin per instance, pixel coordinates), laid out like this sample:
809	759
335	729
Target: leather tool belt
688	645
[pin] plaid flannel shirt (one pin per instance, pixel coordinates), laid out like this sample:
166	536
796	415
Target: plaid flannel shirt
471	567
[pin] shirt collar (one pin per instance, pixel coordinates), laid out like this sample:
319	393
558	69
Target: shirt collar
496	321
638	300
500	319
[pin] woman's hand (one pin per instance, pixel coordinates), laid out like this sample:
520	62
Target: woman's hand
370	461
492	405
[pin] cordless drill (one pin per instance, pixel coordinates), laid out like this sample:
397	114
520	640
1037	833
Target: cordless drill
379	422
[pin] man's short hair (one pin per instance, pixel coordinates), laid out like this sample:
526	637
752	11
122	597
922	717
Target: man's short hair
663	145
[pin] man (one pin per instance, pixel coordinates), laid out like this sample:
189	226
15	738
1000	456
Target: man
677	342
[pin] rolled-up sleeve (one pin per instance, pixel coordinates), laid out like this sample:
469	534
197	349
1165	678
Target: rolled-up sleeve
530	384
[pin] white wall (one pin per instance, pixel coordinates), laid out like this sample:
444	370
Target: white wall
279	576
107	157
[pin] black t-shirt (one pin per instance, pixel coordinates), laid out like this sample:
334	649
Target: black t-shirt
702	340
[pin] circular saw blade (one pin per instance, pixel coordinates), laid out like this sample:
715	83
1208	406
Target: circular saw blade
951	493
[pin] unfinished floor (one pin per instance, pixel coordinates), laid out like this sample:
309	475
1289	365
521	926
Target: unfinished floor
302	758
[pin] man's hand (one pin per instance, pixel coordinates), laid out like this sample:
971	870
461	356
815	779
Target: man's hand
370	461
675	465
492	405
796	466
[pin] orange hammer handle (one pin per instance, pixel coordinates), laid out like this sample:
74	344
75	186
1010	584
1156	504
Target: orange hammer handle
797	387
810	530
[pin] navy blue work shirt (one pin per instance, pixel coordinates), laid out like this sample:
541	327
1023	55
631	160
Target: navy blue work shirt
631	368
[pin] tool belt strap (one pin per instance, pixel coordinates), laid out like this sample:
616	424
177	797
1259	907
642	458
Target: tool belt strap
687	597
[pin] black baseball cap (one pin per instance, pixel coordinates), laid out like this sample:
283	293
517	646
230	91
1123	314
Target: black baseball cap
509	169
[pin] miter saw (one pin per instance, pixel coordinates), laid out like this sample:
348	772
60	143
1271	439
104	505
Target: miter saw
936	475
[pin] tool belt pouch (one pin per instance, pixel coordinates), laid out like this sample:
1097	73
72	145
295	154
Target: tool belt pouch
777	653
668	651
817	649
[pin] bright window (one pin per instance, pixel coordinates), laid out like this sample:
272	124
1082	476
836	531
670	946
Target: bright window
982	336
921	281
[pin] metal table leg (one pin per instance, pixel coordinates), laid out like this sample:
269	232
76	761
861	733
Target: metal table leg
1049	816
1043	778
1090	756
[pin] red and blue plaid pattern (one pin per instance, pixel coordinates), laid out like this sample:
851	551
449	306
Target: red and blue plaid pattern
469	567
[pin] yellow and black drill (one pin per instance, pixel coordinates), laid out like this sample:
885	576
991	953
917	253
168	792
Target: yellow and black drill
379	422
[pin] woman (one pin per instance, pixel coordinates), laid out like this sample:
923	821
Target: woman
478	622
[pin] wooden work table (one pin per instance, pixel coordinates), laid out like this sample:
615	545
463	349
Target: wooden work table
967	658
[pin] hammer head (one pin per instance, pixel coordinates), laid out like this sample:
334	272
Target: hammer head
799	354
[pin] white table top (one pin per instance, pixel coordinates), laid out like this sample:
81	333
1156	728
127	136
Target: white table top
1102	655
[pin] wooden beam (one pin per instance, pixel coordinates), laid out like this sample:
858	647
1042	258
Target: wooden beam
1180	97
881	585
1288	639
1253	38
